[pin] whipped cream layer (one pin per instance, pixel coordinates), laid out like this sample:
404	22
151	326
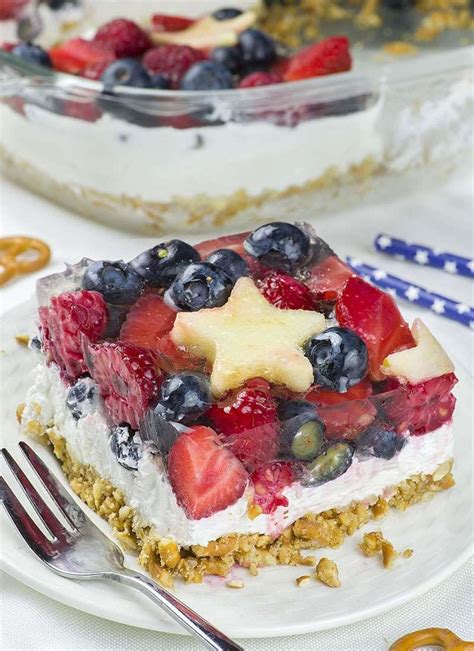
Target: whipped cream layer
148	491
154	165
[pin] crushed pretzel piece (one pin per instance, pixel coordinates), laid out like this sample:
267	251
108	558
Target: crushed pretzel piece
235	584
22	340
327	572
374	543
19	411
302	580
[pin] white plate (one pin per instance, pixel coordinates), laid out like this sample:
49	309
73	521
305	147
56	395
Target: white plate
439	531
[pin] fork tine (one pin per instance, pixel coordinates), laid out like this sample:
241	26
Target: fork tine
34	538
47	516
75	516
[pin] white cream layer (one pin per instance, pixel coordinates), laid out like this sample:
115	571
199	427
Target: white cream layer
148	490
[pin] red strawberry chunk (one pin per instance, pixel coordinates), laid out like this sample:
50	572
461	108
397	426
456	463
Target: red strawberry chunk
128	380
269	481
324	397
123	37
81	57
64	323
285	292
375	317
170	23
172	61
205	476
324	58
260	78
328	278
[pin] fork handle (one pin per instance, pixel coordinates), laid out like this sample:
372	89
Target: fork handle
184	615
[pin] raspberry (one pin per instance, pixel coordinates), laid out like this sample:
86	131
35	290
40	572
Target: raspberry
260	79
123	37
286	292
68	318
172	61
168	23
127	379
268	481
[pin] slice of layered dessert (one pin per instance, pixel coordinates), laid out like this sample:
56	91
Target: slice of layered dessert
237	402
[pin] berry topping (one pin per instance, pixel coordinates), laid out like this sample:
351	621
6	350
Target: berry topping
269	481
230	262
32	54
230	57
207	75
226	13
200	285
169	23
184	397
123	37
380	441
10	9
331	464
258	49
286	292
127	379
205	476
80	57
172	61
127	446
82	398
160	265
302	430
248	422
279	245
260	78
375	317
325	397
126	72
117	281
68	318
346	420
235	243
324	58
327	279
339	359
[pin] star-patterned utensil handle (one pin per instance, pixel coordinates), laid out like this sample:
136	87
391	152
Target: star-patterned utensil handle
424	255
399	288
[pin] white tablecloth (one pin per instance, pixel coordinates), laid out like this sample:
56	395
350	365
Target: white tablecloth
32	621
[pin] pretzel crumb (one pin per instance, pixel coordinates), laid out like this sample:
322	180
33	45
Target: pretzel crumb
374	543
302	580
22	340
19	411
235	584
327	572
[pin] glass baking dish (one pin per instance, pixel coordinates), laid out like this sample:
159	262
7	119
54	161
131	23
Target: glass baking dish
154	161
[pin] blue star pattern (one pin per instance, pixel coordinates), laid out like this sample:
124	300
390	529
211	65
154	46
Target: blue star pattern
423	255
399	288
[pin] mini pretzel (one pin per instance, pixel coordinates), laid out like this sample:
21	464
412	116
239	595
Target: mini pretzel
442	637
12	256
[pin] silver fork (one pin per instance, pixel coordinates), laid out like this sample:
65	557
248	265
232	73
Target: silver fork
81	551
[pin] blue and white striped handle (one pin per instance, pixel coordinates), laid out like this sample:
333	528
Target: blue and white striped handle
424	255
399	288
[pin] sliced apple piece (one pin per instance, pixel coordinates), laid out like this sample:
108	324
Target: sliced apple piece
425	361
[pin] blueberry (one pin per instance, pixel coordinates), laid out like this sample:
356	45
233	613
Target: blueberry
339	358
160	265
302	431
183	397
160	82
226	13
257	47
207	75
127	446
230	57
199	286
35	343
380	441
82	398
331	464
230	262
117	281
32	54
126	72
279	245
59	4
160	432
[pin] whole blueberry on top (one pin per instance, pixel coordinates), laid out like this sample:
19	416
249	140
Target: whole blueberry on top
207	75
339	358
160	265
226	13
127	446
117	281
230	57
201	285
126	72
82	397
32	54
380	441
279	245
257	47
183	397
230	262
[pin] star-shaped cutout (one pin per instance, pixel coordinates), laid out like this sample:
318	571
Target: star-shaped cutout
450	267
248	337
421	257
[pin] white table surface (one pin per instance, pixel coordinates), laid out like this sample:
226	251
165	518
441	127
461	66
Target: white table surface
446	219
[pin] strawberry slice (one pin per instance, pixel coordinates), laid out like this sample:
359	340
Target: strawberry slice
206	477
268	481
170	23
324	58
328	278
81	57
375	317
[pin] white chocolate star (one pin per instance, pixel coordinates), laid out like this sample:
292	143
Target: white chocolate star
248	337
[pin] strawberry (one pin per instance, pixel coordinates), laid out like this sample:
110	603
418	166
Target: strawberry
268	481
286	292
127	379
324	397
205	476
64	322
375	317
81	57
172	61
169	23
123	37
248	423
327	279
260	78
324	58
